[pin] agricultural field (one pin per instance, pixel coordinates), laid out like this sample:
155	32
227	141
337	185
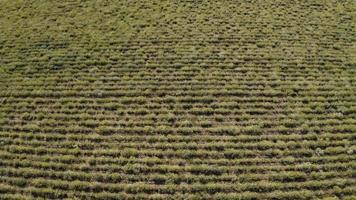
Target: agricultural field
178	99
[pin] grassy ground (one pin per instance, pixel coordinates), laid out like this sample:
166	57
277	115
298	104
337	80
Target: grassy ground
177	99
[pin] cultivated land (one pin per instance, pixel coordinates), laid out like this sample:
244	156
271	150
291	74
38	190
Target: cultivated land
146	99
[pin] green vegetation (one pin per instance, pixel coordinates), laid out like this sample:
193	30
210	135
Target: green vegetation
186	99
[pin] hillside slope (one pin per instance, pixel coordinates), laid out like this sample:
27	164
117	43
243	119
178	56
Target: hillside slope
145	99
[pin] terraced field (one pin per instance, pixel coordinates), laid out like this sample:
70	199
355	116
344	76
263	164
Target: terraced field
146	99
